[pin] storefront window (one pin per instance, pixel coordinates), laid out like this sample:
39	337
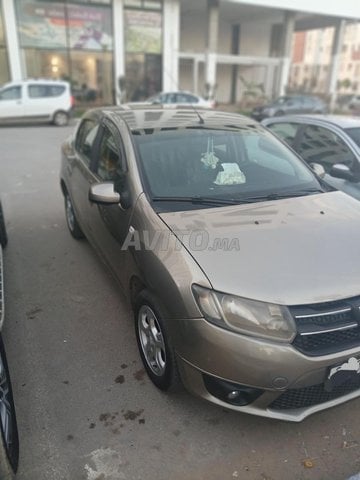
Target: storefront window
4	66
143	45
93	74
46	63
70	41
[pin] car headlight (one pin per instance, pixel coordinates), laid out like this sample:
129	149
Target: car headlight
250	317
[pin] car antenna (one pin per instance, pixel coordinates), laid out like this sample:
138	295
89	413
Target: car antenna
201	120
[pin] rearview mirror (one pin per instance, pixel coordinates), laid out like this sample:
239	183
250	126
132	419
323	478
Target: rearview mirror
104	194
339	170
318	169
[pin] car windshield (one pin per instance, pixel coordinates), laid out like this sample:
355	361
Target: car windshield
354	133
281	101
242	164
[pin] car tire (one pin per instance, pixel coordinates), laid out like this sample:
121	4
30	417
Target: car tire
9	441
60	118
3	233
154	342
71	220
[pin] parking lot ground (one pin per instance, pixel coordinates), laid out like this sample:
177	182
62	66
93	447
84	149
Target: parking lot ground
86	410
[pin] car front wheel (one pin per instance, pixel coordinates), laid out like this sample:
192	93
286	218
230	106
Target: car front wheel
71	219
9	444
156	350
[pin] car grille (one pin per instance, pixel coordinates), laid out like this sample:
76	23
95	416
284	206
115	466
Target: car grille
314	395
327	328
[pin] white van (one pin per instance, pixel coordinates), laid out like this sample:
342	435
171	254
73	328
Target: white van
36	100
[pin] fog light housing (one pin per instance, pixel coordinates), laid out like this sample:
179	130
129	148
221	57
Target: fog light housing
232	393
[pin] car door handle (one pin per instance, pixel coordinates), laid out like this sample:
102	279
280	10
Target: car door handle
19	102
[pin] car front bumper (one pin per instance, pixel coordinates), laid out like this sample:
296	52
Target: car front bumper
290	382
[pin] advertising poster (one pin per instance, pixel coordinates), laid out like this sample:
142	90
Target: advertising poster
54	25
143	31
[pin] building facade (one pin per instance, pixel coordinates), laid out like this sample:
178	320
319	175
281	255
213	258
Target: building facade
116	50
312	58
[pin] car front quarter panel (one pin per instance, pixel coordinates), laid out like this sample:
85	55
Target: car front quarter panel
165	267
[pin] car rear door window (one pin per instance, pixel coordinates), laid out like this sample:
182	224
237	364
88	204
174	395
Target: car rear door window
85	139
321	145
286	131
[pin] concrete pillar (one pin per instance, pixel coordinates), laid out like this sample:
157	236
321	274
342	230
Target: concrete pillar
119	51
211	46
196	76
235	50
335	61
171	42
269	80
13	47
289	24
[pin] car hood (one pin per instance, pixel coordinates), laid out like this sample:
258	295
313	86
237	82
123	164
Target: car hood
292	251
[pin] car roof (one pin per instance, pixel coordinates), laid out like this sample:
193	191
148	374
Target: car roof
341	121
299	95
36	80
145	116
178	91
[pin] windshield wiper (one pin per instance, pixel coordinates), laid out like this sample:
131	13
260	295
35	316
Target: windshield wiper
198	200
236	201
279	196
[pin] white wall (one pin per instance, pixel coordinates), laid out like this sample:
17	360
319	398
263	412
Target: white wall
255	38
193	32
337	8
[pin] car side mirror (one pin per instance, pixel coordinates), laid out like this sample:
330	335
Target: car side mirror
339	170
318	169
104	194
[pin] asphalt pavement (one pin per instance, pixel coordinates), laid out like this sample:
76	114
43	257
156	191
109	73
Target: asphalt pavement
86	410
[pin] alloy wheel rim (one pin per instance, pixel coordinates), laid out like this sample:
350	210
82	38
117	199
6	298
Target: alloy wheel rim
6	411
152	340
61	118
70	213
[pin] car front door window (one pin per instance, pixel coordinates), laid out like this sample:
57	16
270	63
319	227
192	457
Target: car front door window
109	167
85	139
11	93
321	145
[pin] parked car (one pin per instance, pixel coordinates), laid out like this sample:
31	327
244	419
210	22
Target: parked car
332	141
241	265
181	98
9	440
290	104
84	94
354	103
36	101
